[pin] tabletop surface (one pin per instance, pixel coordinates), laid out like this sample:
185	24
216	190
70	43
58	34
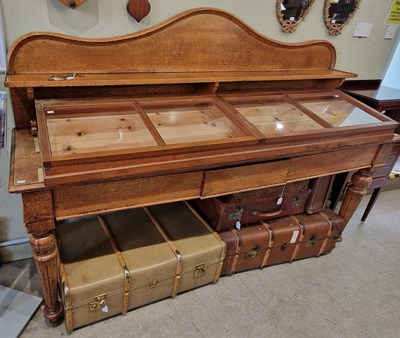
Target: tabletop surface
382	93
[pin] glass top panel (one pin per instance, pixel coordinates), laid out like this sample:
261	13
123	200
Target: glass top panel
83	133
193	124
339	112
275	118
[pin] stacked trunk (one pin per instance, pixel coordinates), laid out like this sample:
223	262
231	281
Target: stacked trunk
274	225
281	240
127	259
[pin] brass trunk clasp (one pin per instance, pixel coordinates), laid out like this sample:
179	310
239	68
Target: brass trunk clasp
199	270
312	241
253	253
99	303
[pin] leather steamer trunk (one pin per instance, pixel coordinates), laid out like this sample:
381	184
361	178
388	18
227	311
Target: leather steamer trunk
200	247
320	233
302	236
281	240
246	249
249	207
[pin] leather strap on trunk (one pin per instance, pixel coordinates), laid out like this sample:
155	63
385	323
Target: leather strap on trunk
299	239
270	242
329	235
178	255
236	234
121	260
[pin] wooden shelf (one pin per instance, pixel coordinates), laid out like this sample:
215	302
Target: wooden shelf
43	80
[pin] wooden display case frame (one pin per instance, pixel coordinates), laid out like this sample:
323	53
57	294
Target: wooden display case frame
200	54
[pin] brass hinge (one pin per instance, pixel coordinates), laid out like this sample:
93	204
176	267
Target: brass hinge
34	129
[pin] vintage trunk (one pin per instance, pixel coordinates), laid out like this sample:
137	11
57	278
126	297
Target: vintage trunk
93	278
152	265
320	191
122	262
201	249
247	248
286	233
320	233
281	240
252	206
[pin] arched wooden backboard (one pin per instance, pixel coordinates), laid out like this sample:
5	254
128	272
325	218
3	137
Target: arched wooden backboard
199	40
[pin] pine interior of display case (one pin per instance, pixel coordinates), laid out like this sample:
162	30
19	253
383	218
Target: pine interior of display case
88	131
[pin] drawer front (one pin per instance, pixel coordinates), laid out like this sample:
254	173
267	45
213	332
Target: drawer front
392	159
377	182
231	180
382	172
91	198
331	163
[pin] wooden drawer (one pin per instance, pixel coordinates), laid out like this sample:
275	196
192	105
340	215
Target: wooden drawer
382	172
242	178
84	199
377	182
331	162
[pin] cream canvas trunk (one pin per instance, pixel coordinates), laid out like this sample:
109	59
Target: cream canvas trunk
126	259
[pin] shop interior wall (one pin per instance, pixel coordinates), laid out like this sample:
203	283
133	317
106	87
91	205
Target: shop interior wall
106	18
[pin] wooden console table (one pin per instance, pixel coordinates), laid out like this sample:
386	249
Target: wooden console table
382	98
386	100
213	107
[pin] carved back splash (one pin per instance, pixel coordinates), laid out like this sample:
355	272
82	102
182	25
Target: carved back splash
200	40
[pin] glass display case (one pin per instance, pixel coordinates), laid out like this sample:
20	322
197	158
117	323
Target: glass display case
75	131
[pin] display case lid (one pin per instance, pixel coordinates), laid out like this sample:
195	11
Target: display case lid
82	135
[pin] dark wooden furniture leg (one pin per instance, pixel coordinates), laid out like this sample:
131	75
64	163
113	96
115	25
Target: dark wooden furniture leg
40	224
371	203
354	193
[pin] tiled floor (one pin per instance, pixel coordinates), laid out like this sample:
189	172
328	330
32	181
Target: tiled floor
352	292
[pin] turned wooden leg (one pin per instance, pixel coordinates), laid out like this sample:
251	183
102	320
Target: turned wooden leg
40	224
46	260
354	193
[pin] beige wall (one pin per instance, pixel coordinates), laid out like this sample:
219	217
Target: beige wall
103	18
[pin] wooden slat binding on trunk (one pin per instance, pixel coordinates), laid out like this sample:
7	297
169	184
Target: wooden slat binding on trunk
178	255
122	262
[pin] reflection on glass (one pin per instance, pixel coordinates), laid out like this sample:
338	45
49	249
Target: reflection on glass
293	9
192	124
340	10
339	113
84	133
276	118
